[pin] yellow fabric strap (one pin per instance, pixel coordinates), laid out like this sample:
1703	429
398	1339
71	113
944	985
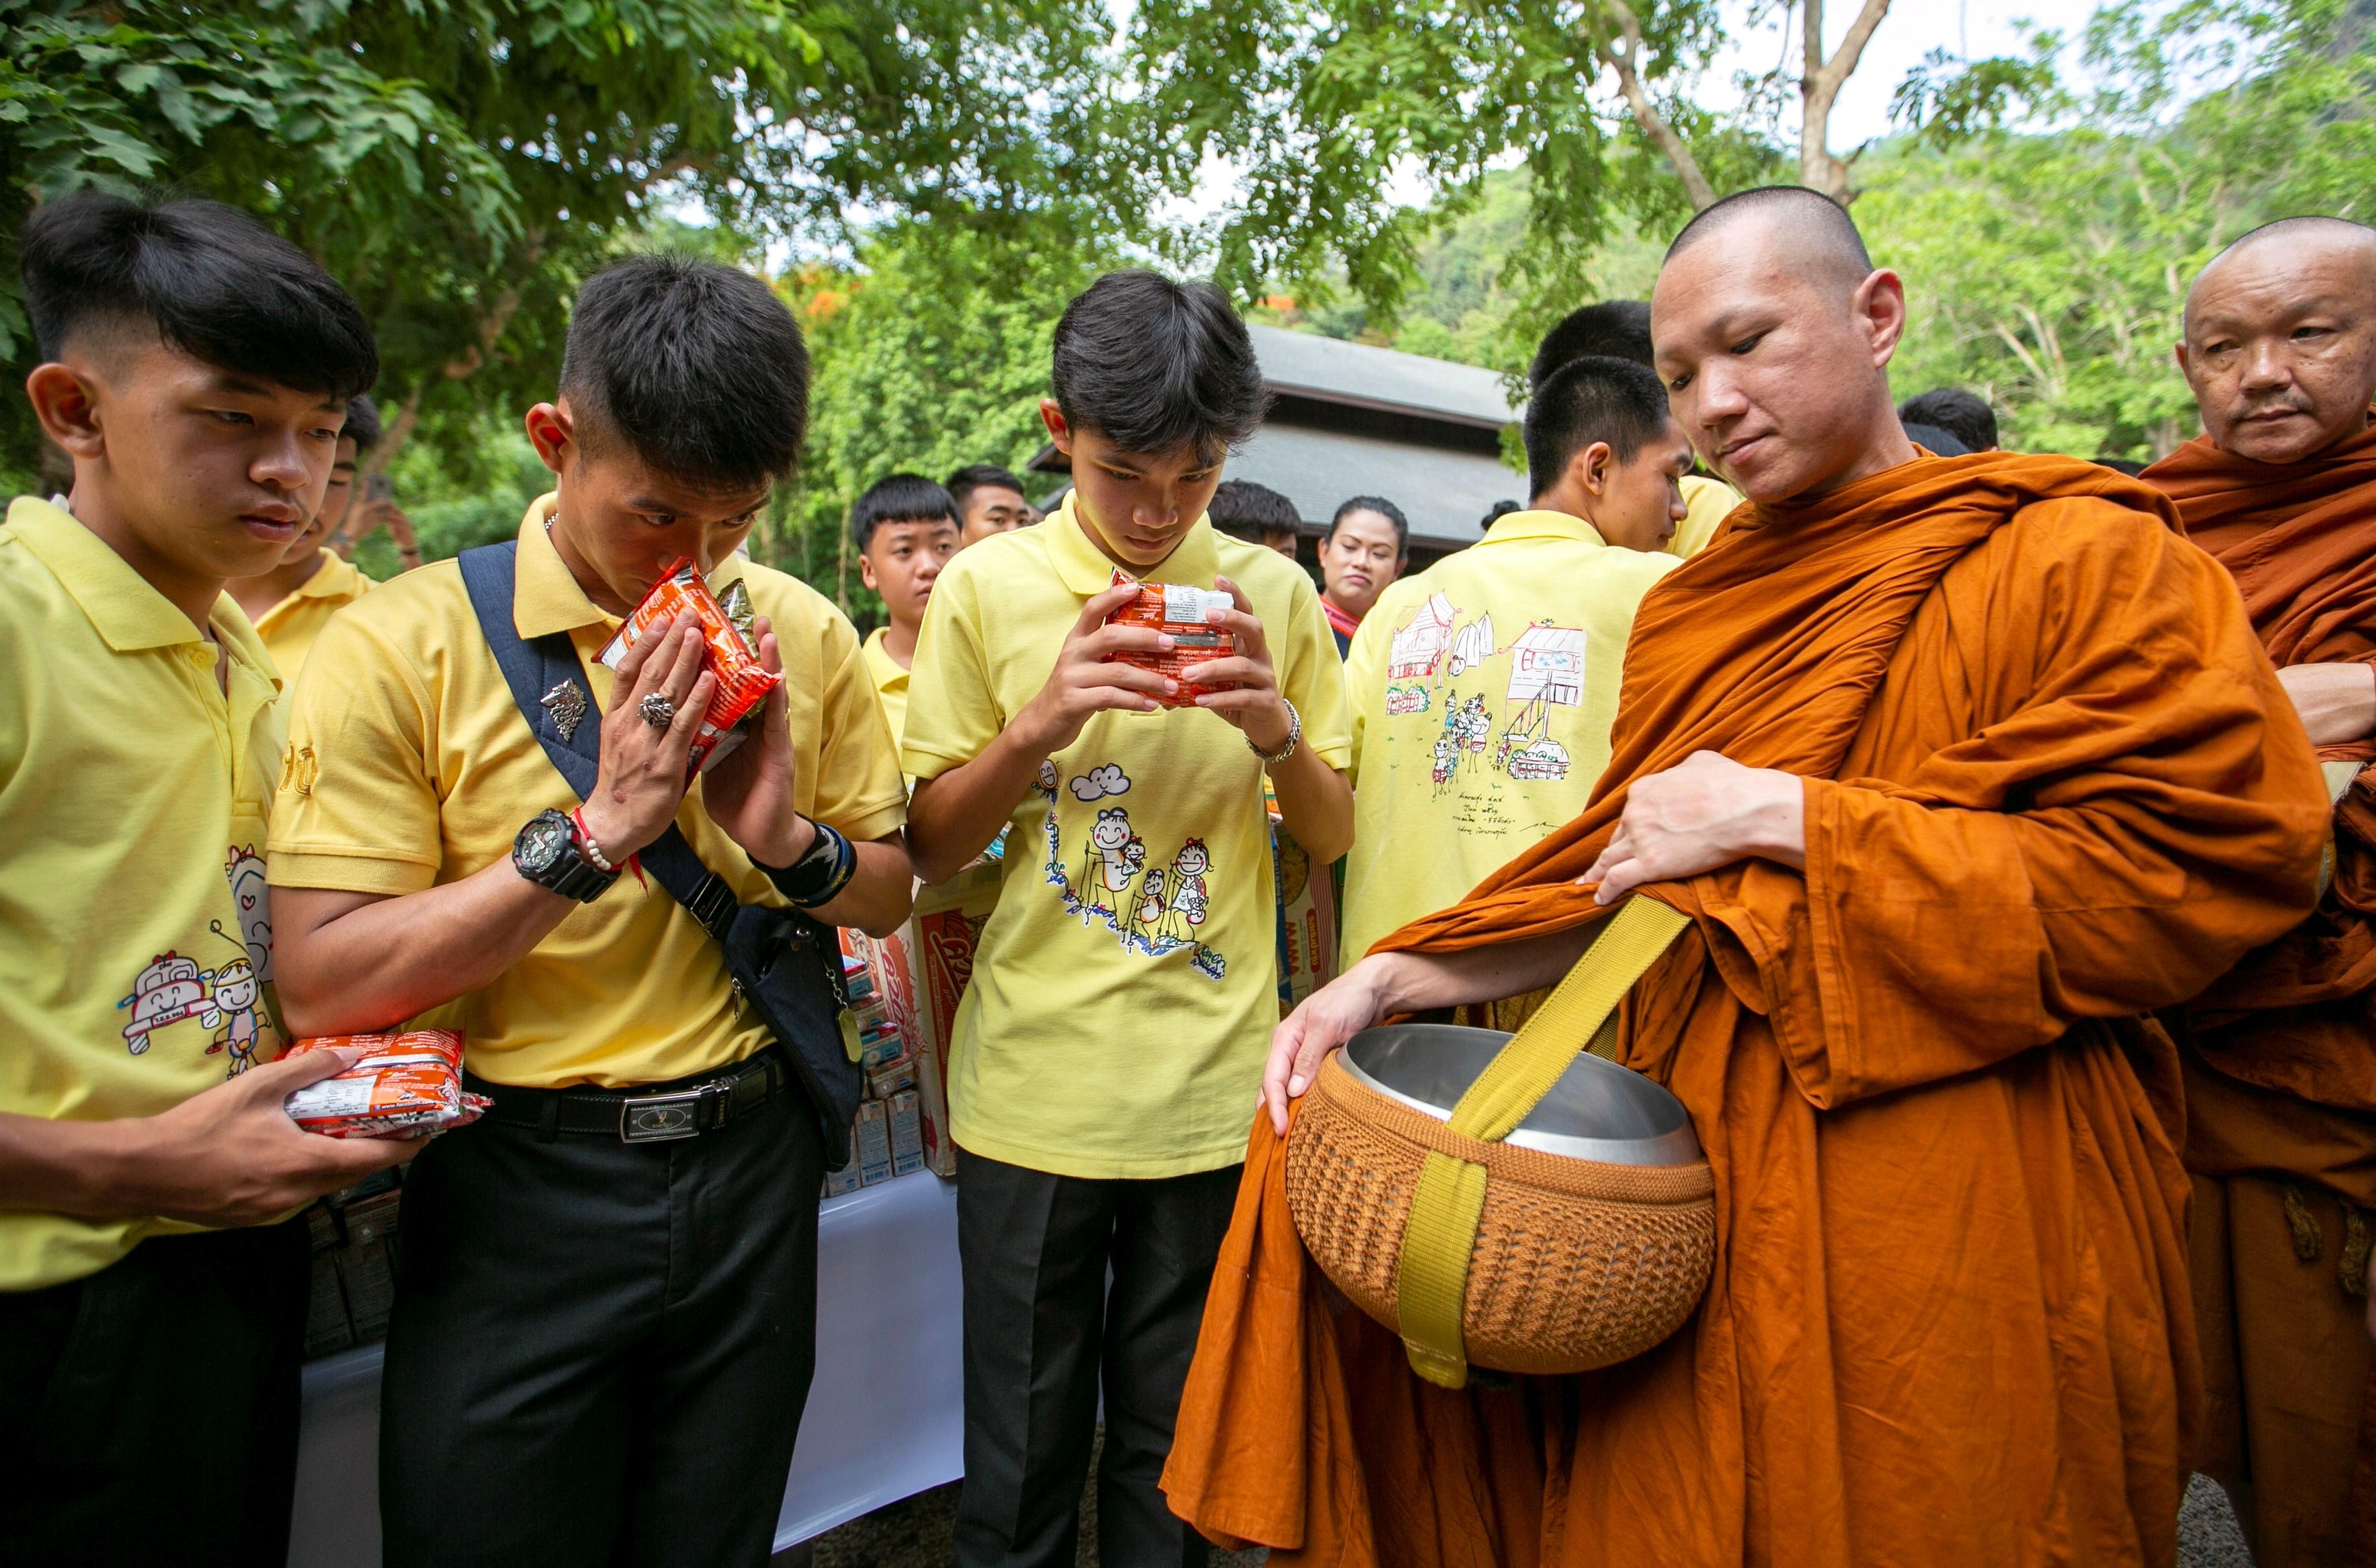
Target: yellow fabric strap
2339	776
1431	1274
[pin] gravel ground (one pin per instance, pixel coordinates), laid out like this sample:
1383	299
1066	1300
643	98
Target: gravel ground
2208	1535
915	1534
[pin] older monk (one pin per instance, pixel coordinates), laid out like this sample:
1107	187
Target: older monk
1960	767
2280	349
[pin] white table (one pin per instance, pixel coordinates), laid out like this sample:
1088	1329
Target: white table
885	1416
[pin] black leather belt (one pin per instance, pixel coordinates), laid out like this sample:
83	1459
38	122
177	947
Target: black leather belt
648	1114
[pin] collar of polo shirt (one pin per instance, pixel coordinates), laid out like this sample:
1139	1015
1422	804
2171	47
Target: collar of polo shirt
1086	571
130	615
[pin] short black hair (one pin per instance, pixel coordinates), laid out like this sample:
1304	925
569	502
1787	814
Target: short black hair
1383	508
899	498
362	423
981	476
1499	510
696	366
1617	329
1245	510
1153	365
1593	398
210	281
1964	415
1941	443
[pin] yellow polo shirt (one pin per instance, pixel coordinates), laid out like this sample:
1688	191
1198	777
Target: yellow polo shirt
890	682
409	767
289	627
1125	987
1708	501
1482	691
136	936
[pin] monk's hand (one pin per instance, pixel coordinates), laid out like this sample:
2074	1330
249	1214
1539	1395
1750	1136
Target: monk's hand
1251	701
1328	1017
1709	813
2337	702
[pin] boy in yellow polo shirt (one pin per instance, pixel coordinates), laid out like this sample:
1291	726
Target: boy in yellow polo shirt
906	530
1124	991
1482	688
292	603
604	1330
195	370
1621	329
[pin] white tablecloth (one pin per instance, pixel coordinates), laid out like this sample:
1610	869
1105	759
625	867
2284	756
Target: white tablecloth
885	1416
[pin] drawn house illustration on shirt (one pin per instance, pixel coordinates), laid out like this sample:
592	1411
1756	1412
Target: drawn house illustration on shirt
1546	671
1547	665
1417	648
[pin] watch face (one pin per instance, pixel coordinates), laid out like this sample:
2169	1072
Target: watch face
542	842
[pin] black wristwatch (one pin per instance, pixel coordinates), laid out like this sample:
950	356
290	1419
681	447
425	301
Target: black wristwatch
547	853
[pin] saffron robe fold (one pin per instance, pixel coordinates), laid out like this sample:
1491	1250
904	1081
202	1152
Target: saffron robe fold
2301	540
2050	784
2281	1080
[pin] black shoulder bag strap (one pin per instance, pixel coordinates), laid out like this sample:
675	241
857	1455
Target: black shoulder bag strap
784	964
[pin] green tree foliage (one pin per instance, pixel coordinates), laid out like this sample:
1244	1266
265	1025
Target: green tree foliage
461	163
932	352
1317	108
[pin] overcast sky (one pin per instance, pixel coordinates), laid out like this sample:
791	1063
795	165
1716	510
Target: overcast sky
1974	28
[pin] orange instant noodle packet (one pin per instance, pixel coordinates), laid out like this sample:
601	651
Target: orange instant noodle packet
1179	611
743	682
408	1084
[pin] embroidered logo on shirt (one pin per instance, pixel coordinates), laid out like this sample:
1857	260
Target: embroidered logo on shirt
299	769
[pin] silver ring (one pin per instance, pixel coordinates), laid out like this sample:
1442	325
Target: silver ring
658	711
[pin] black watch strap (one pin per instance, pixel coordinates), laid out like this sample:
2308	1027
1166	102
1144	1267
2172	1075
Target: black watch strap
569	872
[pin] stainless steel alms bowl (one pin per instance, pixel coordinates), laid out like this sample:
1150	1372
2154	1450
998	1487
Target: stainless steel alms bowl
1596	1110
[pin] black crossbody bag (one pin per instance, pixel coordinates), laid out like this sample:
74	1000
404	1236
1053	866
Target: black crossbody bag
785	964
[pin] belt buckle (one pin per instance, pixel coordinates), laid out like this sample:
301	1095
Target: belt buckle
661	1118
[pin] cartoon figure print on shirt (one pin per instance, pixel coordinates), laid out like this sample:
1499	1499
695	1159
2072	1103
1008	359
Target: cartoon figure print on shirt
1427	655
228	999
1154	910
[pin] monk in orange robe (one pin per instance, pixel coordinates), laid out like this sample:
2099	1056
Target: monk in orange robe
1960	766
2280	349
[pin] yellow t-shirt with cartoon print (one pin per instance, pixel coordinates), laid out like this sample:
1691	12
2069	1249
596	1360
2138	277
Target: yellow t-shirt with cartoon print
1482	691
1125	987
136	937
410	766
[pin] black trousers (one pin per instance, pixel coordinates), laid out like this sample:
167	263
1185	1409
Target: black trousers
599	1350
1044	1328
148	1412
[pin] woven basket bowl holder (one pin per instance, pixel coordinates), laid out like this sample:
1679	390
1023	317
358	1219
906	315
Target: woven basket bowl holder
1479	1252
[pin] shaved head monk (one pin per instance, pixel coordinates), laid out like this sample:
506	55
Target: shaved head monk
2280	349
1960	767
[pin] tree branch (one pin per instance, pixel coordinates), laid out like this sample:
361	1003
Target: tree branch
1646	113
1820	81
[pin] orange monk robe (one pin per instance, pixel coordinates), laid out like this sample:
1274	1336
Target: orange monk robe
2281	1125
2052	784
